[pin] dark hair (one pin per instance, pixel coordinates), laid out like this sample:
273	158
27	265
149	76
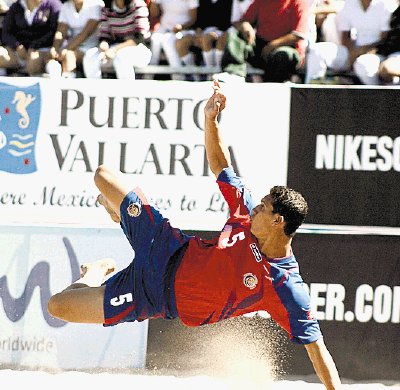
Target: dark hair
291	205
108	3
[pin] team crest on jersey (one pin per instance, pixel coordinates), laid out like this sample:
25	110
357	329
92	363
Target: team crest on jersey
134	209
250	280
256	252
310	315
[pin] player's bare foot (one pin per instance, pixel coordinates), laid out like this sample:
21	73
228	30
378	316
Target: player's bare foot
107	266
103	201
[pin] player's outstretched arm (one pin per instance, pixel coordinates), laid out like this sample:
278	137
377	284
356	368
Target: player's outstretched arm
324	365
217	153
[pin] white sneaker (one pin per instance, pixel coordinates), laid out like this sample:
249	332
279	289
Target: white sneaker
106	265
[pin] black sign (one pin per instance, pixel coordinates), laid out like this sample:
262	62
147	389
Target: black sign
355	280
344	154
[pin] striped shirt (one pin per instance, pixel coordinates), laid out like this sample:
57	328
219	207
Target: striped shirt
120	25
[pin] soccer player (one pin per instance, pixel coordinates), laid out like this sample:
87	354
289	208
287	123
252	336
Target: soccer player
250	266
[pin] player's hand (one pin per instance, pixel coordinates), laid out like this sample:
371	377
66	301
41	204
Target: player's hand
216	103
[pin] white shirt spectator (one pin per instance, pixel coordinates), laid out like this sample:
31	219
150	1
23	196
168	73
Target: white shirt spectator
174	12
366	27
367	24
91	10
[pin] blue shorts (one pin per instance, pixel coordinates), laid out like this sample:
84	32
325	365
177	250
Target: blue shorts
144	289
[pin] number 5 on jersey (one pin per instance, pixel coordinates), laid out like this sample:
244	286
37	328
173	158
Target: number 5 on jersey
230	241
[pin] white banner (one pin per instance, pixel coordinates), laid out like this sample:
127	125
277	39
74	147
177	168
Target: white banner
54	134
37	262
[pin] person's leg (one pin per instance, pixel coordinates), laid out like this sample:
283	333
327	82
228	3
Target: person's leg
219	48
171	53
92	63
123	65
169	46
329	29
156	46
69	62
366	68
127	58
183	48
53	68
103	201
389	70
208	41
281	64
35	63
8	58
324	55
82	301
112	191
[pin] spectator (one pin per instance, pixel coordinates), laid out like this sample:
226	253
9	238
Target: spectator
213	19
389	53
325	20
28	31
4	7
124	36
384	63
270	36
239	8
176	19
362	26
76	33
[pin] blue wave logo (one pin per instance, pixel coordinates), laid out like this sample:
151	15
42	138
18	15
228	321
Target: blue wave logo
19	119
39	276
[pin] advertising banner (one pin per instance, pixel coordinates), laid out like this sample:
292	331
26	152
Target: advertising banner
345	154
54	134
354	283
38	262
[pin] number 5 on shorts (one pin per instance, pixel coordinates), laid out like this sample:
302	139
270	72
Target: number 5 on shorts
118	301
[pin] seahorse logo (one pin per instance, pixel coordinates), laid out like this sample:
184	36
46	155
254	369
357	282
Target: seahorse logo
22	101
20	109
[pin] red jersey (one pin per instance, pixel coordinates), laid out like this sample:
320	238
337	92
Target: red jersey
229	276
275	18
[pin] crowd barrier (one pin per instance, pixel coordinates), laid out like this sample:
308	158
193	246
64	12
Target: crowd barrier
337	145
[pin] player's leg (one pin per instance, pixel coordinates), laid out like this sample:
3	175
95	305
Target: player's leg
82	301
112	191
103	201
